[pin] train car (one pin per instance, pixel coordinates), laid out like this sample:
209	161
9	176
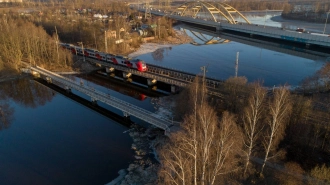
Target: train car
101	56
80	51
110	58
120	59
91	53
69	47
137	64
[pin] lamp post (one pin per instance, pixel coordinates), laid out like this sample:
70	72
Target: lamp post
265	18
326	21
82	47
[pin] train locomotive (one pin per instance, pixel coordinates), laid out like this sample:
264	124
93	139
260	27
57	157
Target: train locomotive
137	64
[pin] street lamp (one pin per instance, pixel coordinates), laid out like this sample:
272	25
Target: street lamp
326	21
82	47
265	18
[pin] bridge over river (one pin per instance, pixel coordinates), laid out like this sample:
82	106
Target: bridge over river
220	17
127	108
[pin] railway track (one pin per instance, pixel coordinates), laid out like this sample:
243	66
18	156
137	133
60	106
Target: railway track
166	75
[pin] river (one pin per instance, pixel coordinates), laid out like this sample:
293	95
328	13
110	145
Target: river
255	63
47	138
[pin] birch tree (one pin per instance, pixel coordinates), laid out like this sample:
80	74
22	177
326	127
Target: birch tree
205	149
252	118
279	110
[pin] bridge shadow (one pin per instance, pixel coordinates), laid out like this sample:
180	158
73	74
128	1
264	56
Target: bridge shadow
125	121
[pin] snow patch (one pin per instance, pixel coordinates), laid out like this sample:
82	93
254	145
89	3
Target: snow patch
148	48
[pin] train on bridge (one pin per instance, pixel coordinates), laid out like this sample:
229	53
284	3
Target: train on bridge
137	64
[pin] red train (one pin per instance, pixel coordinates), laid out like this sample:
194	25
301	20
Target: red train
137	64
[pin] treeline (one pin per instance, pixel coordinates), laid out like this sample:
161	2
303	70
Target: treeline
257	5
79	25
315	14
69	25
231	141
23	41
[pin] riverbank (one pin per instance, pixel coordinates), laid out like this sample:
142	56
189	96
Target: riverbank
180	38
294	24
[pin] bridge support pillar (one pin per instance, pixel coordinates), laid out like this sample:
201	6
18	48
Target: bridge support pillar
151	81
307	45
130	80
126	74
94	100
49	80
68	89
126	115
218	28
35	74
174	89
112	74
110	70
154	87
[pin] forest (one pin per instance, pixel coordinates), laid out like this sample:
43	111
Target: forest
252	135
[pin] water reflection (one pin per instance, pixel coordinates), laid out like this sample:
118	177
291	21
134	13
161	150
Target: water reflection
52	140
273	62
158	55
26	93
23	92
6	113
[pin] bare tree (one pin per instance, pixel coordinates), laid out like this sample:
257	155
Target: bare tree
204	149
279	109
227	143
234	90
252	118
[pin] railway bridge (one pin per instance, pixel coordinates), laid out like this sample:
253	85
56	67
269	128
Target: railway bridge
127	108
174	77
220	17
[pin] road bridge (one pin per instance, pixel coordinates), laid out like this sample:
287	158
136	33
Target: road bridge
210	15
266	44
127	108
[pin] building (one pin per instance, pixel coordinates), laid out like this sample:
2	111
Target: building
111	34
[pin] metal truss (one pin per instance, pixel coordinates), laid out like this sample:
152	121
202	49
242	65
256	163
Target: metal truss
213	9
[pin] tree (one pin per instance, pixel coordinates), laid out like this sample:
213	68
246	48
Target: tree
291	174
205	149
252	118
321	173
234	90
279	110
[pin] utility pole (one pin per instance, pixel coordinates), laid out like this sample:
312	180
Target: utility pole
105	41
326	21
82	48
57	45
236	64
167	4
147	12
158	29
265	18
204	69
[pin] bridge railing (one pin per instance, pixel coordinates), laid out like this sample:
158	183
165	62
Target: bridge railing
106	98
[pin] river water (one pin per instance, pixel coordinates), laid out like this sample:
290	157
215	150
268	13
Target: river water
46	138
255	63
